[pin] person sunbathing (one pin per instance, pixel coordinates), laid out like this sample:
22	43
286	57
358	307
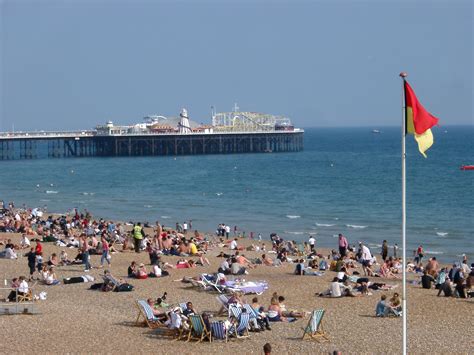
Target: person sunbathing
53	260
285	312
162	316
266	260
141	272
275	314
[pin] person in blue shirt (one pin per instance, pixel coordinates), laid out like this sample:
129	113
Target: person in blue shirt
381	306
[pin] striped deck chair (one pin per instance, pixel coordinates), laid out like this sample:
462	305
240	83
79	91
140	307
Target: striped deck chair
240	329
198	331
224	302
145	311
218	331
183	306
253	314
314	329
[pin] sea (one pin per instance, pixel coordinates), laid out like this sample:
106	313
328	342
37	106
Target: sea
347	180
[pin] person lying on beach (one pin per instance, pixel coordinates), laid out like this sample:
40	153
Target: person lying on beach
185	264
242	260
285	312
266	260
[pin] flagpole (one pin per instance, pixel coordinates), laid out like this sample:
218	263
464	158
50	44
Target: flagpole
403	75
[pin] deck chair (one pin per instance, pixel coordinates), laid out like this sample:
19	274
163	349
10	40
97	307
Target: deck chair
314	329
224	302
252	313
198	331
28	297
218	331
112	282
145	311
183	306
241	328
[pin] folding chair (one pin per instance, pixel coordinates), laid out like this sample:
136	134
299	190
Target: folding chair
218	331
314	329
198	329
223	300
240	329
146	312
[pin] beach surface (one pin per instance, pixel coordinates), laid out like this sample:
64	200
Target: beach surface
76	319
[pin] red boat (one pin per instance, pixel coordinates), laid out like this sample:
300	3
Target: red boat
467	167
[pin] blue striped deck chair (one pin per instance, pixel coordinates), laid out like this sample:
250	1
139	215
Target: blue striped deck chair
251	311
198	331
240	329
234	311
314	329
218	331
145	311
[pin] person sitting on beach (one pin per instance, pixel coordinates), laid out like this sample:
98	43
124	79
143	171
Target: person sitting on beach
25	242
53	260
427	280
445	288
141	272
275	314
8	253
64	260
335	290
132	269
299	270
262	319
381	307
50	277
342	275
162	317
15	286
236	268
395	306
268	261
156	271
385	271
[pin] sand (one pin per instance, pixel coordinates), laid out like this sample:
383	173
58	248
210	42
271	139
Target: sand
76	319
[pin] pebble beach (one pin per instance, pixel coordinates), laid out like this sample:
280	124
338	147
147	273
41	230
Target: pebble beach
74	318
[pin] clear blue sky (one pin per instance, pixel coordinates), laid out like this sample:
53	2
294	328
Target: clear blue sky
74	64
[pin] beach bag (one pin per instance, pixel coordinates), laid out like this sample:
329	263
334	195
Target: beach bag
124	288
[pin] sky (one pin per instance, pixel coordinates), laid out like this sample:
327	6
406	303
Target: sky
69	64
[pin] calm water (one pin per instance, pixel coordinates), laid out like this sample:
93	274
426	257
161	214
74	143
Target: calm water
346	180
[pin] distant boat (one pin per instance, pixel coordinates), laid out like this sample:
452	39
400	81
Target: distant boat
467	167
268	150
375	131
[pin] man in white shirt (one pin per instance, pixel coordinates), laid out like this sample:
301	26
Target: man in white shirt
233	244
336	288
227	231
311	242
366	254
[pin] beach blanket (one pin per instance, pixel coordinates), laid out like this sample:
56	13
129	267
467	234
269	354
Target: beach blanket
247	286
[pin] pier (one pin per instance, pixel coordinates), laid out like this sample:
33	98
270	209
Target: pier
34	145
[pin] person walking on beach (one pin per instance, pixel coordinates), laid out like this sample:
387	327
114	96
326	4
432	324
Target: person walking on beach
384	250
395	251
85	254
138	234
343	245
311	242
105	251
420	254
185	227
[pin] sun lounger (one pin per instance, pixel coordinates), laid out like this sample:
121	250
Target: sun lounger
248	287
314	329
212	283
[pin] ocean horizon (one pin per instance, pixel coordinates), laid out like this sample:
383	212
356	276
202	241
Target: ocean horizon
347	180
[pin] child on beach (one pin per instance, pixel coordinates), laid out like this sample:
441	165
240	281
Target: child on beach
381	307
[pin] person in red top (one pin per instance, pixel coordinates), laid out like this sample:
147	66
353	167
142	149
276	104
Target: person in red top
420	253
38	248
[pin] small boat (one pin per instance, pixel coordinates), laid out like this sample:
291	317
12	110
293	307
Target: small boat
268	150
467	167
375	131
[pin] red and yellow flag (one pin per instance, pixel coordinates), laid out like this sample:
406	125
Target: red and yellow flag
418	121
